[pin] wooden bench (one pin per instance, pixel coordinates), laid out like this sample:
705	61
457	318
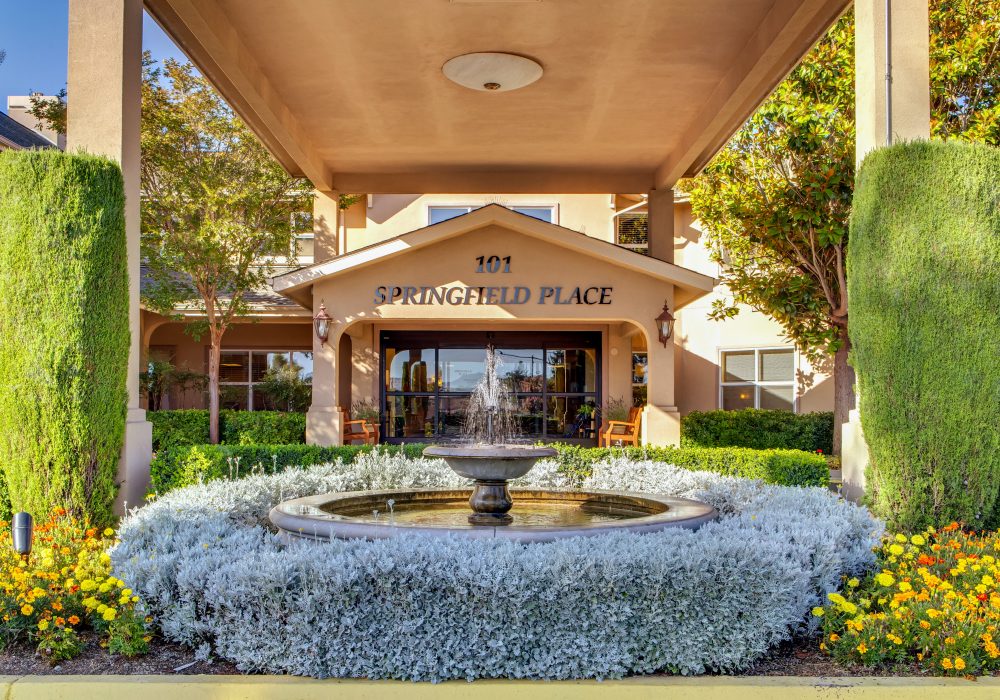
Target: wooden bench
620	433
360	432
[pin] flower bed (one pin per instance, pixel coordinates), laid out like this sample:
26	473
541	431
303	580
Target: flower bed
935	602
686	602
66	588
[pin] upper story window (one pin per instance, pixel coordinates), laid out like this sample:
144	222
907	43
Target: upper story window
757	378
632	231
437	214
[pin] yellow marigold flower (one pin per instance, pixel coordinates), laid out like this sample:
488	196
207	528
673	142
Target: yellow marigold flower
835	598
885	579
849	607
126	592
918	540
946	663
988	580
834	637
896	549
925	624
959	663
27	609
87	585
818	611
43	625
861	648
853	582
109	614
108	532
905	586
901	538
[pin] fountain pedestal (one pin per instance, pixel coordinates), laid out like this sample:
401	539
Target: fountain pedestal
490	502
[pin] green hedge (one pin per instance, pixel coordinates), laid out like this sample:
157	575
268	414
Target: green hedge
759	429
924	283
64	331
183	465
190	427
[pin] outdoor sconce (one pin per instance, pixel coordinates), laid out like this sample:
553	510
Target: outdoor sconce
321	321
665	324
22	531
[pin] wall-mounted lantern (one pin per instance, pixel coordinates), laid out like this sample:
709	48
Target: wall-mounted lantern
665	324
321	322
22	532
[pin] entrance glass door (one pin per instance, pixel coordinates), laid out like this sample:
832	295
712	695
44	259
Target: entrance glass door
428	377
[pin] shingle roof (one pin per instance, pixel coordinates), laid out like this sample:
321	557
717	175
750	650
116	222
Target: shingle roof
257	299
21	136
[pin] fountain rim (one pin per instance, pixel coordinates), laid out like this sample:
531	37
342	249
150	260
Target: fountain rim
292	526
489	451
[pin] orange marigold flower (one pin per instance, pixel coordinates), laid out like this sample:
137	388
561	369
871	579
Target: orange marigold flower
74	620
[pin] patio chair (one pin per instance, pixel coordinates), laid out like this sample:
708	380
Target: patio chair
360	432
620	433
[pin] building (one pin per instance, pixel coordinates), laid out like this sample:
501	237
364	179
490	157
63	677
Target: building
19	130
418	285
520	97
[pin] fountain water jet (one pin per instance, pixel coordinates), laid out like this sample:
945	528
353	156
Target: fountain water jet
489	456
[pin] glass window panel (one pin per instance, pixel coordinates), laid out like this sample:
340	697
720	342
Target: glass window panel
777	365
563	417
639	395
522	368
304	361
529	415
262	362
409	416
735	398
305	246
572	371
236	398
436	215
409	369
234	366
543	213
777	397
451	414
461	368
738	366
640	363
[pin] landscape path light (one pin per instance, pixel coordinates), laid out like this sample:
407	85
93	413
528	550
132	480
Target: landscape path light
665	324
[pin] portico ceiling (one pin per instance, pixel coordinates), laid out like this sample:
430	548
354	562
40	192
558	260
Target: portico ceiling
635	93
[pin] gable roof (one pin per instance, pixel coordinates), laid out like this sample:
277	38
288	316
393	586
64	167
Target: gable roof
689	285
13	134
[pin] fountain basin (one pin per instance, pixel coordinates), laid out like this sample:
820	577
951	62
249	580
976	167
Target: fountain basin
539	515
490	462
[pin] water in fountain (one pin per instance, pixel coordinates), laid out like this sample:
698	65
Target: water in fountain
489	416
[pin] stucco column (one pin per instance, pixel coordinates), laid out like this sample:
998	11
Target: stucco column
104	75
892	105
326	226
660	205
661	419
324	420
896	108
364	359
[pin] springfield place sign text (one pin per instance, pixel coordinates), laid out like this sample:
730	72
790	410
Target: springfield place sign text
489	295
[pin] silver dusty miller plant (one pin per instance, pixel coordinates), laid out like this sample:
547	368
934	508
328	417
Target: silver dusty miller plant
713	600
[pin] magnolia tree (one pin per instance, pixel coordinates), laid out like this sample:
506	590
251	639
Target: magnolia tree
775	202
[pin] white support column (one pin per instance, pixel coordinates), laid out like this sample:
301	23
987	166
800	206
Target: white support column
104	75
893	105
662	419
660	206
324	420
326	226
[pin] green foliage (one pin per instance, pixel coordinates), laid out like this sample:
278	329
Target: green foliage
190	427
781	467
283	388
161	377
185	465
924	277
759	429
64	331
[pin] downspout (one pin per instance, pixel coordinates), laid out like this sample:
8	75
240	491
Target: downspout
888	72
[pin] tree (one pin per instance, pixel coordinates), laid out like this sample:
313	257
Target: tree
48	111
216	208
775	202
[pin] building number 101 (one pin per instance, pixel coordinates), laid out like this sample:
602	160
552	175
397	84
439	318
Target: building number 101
492	263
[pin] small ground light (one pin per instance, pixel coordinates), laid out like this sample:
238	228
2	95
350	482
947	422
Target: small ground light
22	532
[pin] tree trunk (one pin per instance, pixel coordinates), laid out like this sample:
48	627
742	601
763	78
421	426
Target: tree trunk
214	358
843	389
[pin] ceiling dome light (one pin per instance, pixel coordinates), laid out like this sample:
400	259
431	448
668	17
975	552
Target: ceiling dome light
492	72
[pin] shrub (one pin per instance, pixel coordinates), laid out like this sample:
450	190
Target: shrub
934	603
64	330
67	589
178	427
759	429
184	465
923	274
263	428
715	599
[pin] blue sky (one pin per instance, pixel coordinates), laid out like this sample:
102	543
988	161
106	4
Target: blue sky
33	33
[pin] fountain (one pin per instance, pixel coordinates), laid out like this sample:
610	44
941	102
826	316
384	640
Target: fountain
491	457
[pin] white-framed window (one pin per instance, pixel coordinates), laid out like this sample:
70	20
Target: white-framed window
438	213
242	371
757	378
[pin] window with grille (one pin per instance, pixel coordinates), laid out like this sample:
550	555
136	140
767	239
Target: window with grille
757	378
632	232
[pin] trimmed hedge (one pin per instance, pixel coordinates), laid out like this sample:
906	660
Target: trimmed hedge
183	465
190	427
759	429
64	331
924	282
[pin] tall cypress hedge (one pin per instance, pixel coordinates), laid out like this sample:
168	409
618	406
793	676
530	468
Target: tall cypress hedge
64	331
924	290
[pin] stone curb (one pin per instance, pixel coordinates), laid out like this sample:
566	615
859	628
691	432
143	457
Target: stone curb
654	688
